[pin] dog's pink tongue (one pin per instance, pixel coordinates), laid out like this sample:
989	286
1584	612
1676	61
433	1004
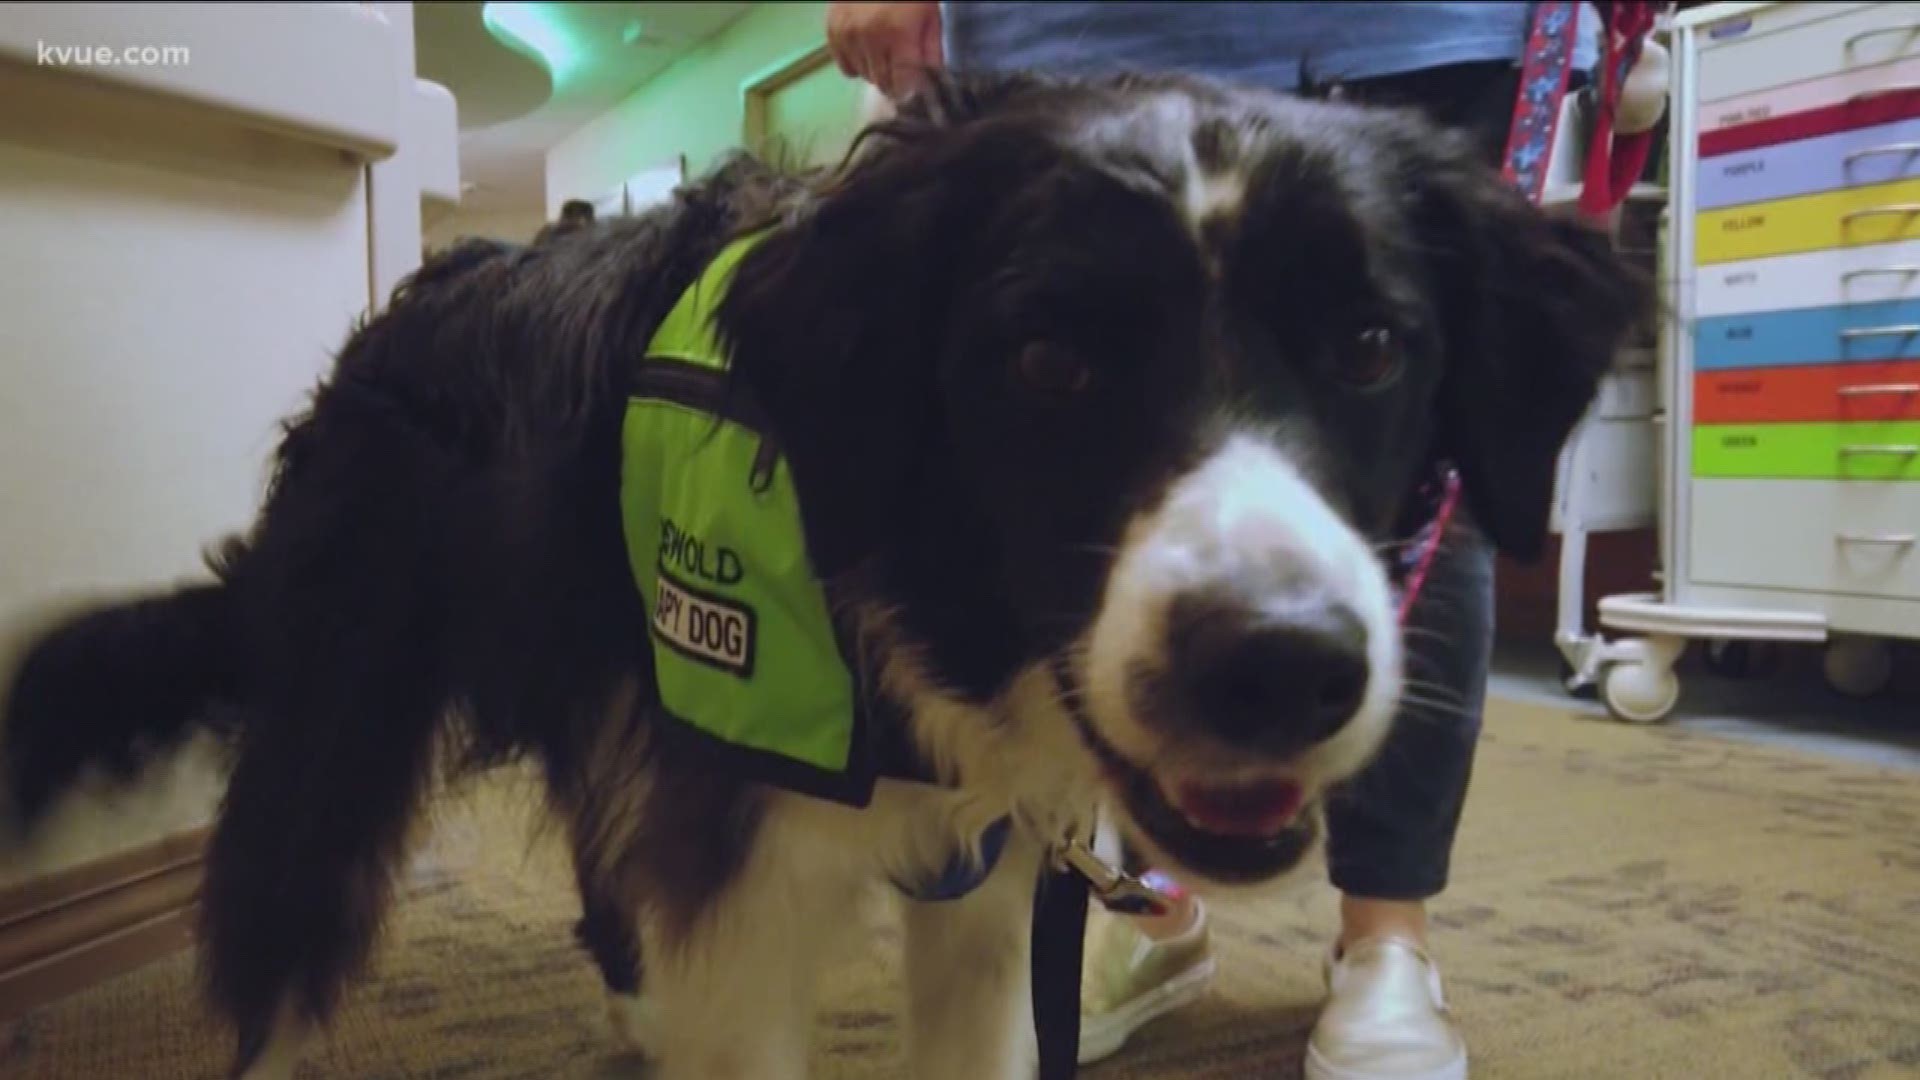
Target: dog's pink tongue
1262	808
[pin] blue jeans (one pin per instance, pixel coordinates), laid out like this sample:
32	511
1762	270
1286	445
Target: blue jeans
1390	830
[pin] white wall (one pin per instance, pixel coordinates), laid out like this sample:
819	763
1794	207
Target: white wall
694	108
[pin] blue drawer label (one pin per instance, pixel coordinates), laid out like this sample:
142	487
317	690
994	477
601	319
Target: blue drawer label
1824	335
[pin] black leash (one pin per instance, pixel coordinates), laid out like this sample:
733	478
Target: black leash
1059	937
1073	875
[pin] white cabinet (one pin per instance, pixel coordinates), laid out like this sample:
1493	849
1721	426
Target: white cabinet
190	230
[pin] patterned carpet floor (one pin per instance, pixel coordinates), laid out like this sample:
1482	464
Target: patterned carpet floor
1628	902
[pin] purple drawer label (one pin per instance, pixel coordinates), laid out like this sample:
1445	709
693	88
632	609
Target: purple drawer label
1847	159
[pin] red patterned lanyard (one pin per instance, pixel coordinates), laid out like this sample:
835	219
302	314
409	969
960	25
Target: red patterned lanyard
1551	40
1543	87
1613	166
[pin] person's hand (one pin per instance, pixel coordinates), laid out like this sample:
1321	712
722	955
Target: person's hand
892	46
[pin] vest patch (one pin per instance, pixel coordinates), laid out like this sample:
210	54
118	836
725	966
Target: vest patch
704	627
683	551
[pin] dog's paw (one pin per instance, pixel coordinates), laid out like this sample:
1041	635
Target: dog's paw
633	1022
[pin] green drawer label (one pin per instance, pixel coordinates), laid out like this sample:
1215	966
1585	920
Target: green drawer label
1842	451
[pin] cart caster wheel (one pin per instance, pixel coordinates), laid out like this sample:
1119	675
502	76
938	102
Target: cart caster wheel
1742	659
1640	693
1858	667
1585	692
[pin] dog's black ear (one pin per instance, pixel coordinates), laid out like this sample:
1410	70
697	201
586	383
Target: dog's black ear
1535	307
835	320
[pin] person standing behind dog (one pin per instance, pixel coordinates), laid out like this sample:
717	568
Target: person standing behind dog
1391	836
575	215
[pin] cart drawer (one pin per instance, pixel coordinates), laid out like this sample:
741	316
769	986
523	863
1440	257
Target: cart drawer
1854	85
1809	393
1818	279
1843	334
1857	451
1799	42
1857	539
1881	154
1874	214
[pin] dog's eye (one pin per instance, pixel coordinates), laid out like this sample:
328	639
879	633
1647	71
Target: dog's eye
1372	358
1052	371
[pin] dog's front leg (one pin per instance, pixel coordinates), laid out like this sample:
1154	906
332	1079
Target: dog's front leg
733	993
971	1012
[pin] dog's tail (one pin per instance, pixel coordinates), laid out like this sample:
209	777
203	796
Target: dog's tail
104	695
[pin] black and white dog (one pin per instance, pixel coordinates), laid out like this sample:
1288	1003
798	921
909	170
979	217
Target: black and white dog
1101	397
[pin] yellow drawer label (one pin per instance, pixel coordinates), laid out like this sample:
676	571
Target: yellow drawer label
1881	214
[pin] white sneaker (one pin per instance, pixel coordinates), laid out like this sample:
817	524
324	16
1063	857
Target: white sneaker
1129	979
1386	1018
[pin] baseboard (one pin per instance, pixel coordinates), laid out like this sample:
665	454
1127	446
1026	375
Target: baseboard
70	930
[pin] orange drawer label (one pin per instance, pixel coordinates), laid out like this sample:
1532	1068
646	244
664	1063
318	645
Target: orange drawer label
1808	393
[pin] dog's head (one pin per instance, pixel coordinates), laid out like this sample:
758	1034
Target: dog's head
1134	375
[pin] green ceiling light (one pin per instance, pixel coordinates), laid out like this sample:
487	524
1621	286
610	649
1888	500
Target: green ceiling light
536	29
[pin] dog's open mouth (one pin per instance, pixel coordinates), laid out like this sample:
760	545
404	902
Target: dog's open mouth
1239	833
1266	834
1261	809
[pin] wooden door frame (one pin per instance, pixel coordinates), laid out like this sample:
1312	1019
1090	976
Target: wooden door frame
759	88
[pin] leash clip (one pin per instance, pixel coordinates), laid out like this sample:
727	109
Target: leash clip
1117	890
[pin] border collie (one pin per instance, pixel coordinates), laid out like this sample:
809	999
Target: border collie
1101	397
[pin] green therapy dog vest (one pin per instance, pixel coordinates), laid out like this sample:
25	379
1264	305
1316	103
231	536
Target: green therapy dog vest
746	655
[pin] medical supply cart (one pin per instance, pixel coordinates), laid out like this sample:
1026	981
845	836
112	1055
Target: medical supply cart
1789	409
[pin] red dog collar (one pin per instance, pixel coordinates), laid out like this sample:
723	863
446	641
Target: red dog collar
1434	505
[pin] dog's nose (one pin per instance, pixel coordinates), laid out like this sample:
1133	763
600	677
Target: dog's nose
1277	684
